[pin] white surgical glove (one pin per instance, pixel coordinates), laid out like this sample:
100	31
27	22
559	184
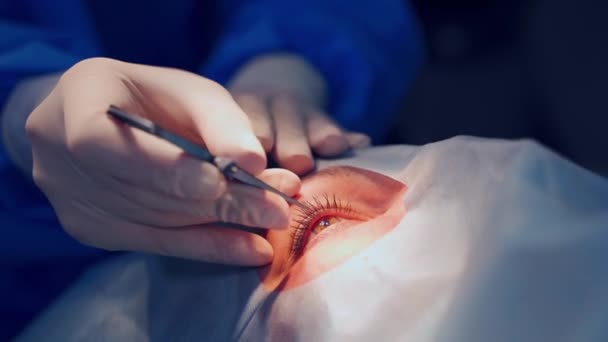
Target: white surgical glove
117	188
284	96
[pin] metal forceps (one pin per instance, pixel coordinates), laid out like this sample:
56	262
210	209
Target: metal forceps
230	170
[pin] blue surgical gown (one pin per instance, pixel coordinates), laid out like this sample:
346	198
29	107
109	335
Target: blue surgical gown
367	50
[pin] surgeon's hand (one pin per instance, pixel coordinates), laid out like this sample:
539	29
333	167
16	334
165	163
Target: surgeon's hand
284	96
117	188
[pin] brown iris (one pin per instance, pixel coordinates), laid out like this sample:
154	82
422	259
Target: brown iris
323	223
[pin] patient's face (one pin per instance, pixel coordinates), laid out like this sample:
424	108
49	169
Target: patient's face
347	209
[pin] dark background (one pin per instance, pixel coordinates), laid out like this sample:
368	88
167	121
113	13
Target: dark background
508	68
513	69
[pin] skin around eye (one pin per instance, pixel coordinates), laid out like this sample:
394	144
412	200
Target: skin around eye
318	214
306	232
375	209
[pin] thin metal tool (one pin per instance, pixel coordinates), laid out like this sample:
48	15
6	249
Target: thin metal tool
230	170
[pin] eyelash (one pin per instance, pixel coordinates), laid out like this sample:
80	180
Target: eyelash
316	208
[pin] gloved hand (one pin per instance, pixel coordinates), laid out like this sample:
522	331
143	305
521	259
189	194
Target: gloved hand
121	189
284	96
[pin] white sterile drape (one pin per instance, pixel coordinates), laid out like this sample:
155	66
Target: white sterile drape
502	241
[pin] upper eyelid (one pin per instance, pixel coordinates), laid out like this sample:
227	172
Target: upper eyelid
346	182
352	174
366	194
317	208
356	209
347	214
327	201
344	213
302	224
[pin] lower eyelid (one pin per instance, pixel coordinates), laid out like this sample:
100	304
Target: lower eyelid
300	239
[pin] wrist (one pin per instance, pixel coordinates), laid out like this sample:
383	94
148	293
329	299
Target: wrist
24	98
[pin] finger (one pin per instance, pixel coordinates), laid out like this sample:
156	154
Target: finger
291	149
283	180
252	207
204	243
358	140
257	109
214	244
216	117
159	210
108	148
249	206
155	209
324	136
124	201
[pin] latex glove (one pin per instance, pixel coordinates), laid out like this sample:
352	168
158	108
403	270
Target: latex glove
284	96
24	98
117	188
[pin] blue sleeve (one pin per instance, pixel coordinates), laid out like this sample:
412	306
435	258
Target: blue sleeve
38	37
368	51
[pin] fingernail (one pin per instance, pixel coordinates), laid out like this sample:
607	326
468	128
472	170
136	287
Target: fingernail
358	140
289	185
283	180
332	145
298	163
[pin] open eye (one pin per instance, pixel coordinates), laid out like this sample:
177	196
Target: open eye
321	224
319	214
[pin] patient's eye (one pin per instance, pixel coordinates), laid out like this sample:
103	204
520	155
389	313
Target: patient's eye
320	214
324	223
329	226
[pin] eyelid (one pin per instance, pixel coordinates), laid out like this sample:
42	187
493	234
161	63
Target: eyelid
371	191
369	194
317	208
347	214
330	206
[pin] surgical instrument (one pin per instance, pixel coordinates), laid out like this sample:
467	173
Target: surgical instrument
230	170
